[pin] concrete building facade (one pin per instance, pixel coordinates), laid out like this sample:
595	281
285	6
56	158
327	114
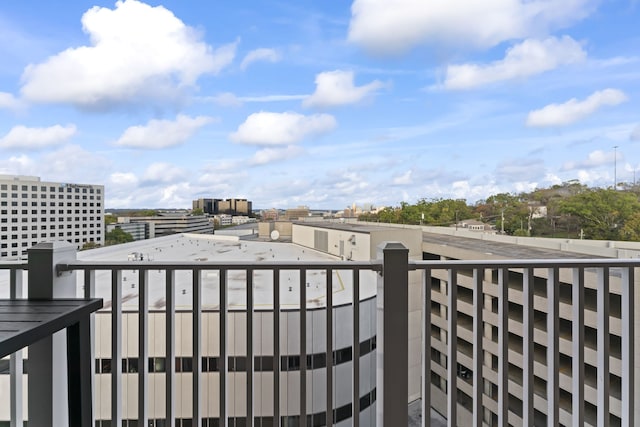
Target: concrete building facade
235	207
165	224
138	230
229	206
446	243
33	211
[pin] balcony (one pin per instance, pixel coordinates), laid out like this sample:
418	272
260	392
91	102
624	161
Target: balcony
535	342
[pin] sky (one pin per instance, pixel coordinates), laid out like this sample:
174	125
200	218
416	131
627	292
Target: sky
319	103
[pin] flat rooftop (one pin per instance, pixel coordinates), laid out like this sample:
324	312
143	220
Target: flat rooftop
200	248
501	249
347	226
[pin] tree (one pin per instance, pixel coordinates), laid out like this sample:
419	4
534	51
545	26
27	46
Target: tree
631	228
117	236
197	212
510	212
601	213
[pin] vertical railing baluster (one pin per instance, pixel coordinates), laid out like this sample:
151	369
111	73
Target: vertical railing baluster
478	334
452	347
355	345
528	319
603	307
329	347
197	345
553	350
90	292
503	347
628	344
116	346
426	348
250	361
16	359
170	365
577	347
303	347
223	347
143	348
276	347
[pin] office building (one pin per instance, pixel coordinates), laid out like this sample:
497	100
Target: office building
301	212
166	223
233	207
33	211
138	230
208	206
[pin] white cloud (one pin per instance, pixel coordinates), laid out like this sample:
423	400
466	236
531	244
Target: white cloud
35	138
522	60
385	29
595	159
262	54
266	128
272	98
9	102
404	179
335	88
20	165
635	134
162	133
574	110
227	99
72	163
162	172
123	179
137	52
270	155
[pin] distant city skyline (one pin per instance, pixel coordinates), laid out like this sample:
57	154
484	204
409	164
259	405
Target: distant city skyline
319	103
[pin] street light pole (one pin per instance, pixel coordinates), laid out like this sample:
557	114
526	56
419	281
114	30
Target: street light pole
615	167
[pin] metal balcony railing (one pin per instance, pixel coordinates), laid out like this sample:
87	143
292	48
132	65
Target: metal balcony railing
489	288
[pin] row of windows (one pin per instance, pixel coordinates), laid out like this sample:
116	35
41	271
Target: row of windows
44	235
237	363
4	220
69	219
316	420
51	196
77	241
44	227
14	187
69	204
44	212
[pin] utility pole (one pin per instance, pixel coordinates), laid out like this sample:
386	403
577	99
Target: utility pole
502	222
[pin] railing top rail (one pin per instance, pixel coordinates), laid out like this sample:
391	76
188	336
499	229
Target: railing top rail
221	265
13	265
524	263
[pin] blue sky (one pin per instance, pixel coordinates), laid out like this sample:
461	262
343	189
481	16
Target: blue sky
321	103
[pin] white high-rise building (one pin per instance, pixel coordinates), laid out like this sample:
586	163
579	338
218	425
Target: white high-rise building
33	211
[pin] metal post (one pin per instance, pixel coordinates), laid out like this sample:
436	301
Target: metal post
15	361
553	347
392	332
47	379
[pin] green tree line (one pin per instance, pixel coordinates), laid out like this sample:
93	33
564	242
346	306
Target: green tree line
569	210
